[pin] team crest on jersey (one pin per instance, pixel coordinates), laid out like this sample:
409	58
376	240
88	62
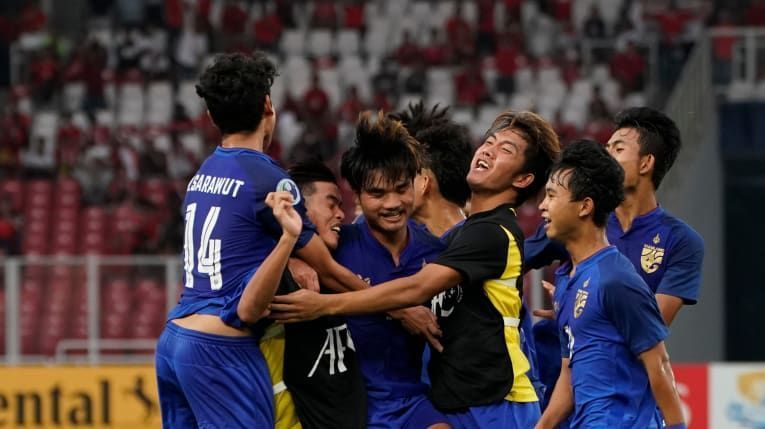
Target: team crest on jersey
652	256
580	302
287	185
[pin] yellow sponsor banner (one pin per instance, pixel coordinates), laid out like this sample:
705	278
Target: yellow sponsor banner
78	397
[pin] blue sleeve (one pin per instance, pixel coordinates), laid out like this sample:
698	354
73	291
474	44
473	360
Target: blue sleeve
539	251
631	307
682	277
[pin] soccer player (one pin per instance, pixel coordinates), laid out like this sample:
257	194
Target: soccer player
666	252
380	168
440	189
479	377
615	368
210	371
314	368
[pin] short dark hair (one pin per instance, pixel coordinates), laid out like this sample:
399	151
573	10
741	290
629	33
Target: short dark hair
446	146
305	174
234	88
658	136
543	146
382	145
592	173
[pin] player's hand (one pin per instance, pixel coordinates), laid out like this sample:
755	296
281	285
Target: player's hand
550	289
420	320
303	274
285	214
298	306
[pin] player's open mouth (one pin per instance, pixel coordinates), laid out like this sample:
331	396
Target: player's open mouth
335	228
481	165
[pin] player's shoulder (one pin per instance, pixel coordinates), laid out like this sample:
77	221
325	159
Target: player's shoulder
422	236
682	233
615	268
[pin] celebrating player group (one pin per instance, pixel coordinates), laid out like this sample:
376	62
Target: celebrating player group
413	315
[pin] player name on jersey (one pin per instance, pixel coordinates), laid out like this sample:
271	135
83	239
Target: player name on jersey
214	185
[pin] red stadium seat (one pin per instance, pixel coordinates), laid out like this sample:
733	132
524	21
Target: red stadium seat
12	188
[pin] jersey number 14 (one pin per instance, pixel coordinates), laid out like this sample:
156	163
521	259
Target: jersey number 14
208	256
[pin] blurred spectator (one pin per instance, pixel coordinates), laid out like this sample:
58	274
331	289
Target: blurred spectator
94	65
386	80
594	26
460	35
486	31
268	30
561	10
408	51
69	142
182	163
154	61
130	12
353	14
569	66
542	36
31	17
152	162
315	100
44	74
722	49
131	45
173	18
285	12
598	107
14	133
628	67
506	60
191	48
417	79
672	21
470	86
435	52
233	21
324	14
351	106
755	13
125	159
9	229
39	160
381	101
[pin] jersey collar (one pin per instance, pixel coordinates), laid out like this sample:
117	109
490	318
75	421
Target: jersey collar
637	223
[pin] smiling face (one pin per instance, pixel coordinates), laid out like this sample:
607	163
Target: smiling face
387	204
498	162
324	209
561	216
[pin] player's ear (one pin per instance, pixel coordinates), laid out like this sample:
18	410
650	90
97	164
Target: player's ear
523	180
647	162
268	107
586	207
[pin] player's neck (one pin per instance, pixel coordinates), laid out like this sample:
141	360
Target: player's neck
393	241
439	215
587	241
483	202
255	140
637	202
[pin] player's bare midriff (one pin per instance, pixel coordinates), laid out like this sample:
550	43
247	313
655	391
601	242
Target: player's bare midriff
210	324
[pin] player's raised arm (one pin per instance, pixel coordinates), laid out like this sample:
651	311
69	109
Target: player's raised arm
261	288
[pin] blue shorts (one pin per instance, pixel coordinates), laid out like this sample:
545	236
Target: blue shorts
212	381
507	415
413	412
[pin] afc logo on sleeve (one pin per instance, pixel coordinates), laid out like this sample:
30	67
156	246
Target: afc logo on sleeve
287	185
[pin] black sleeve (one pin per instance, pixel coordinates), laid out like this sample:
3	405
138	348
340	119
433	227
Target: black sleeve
478	251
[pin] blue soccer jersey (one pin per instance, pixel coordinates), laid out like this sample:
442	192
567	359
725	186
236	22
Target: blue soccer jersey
607	317
230	230
390	357
666	252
